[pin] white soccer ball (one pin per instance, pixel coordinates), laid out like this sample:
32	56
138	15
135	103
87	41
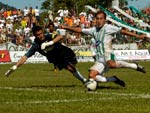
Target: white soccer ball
91	85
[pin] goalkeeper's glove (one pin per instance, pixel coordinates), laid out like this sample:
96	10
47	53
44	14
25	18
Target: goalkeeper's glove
45	44
12	69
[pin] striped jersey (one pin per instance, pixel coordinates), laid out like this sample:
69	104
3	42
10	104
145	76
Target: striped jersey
103	38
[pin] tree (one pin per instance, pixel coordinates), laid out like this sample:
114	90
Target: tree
76	5
47	4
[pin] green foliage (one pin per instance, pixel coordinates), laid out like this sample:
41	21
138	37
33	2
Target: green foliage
47	4
42	16
76	5
6	6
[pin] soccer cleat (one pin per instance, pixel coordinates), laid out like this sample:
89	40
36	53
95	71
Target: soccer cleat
55	70
85	81
140	68
8	72
120	82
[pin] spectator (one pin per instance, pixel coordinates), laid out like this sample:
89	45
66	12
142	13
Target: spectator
61	12
25	11
23	22
50	13
37	13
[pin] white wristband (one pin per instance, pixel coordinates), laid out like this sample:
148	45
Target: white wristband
14	67
50	43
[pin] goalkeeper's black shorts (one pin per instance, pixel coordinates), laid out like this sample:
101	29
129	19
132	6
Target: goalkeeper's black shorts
63	57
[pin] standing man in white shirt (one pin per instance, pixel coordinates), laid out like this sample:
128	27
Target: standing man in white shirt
37	13
26	11
61	12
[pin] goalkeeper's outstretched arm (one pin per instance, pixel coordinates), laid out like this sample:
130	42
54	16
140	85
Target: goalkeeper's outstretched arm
18	64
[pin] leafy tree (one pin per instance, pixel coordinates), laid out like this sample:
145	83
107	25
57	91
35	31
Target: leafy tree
76	5
47	4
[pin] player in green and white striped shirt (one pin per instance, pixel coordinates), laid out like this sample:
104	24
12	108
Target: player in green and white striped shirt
104	34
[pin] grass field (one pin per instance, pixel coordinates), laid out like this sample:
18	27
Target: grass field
35	88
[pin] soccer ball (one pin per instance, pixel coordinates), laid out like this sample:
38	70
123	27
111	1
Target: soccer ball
91	85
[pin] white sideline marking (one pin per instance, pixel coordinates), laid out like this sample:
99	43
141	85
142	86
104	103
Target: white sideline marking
24	89
94	92
132	95
57	101
123	96
66	101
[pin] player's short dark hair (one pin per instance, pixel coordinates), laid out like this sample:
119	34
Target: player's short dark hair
51	23
35	29
101	12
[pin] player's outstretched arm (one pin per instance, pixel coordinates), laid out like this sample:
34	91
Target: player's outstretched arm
46	44
141	36
14	67
75	29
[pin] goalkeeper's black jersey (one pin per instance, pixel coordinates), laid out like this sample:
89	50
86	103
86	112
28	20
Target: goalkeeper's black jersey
57	53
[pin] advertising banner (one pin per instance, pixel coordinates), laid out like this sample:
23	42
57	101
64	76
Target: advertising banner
128	46
12	47
132	54
37	57
4	56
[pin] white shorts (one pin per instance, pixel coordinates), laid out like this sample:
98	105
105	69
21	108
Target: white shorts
101	68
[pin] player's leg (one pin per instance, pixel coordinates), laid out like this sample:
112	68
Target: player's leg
124	64
69	62
112	63
70	67
97	72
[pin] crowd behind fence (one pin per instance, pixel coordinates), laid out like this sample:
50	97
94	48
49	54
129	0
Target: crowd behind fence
15	26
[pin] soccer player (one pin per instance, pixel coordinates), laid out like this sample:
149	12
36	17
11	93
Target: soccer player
61	56
103	35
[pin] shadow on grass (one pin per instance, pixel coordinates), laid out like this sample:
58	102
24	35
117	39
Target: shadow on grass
110	87
51	86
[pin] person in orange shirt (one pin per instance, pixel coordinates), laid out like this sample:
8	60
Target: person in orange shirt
5	14
66	20
70	21
9	13
14	12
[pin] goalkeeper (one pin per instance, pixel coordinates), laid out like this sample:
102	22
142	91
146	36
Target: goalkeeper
61	56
